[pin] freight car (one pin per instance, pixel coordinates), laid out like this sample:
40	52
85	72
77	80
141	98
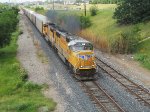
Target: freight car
75	51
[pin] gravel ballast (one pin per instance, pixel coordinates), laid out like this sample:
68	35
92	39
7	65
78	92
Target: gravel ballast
119	93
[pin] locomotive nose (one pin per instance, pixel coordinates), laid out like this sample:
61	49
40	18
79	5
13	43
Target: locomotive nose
86	60
86	64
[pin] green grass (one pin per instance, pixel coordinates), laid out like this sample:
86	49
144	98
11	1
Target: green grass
105	26
41	11
143	53
16	93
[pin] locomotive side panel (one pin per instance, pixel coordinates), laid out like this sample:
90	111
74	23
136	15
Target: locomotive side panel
64	47
50	34
45	30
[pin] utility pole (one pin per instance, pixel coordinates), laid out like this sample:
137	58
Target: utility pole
53	5
84	7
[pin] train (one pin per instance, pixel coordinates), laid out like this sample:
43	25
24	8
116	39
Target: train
74	51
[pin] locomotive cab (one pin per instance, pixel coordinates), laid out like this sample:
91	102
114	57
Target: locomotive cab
82	58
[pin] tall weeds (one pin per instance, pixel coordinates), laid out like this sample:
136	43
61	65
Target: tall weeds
124	43
99	42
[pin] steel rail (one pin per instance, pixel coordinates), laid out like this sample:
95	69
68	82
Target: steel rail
102	98
127	83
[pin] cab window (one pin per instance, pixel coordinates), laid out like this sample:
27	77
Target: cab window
81	46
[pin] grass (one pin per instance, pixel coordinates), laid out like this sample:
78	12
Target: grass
41	11
16	93
143	53
99	6
105	26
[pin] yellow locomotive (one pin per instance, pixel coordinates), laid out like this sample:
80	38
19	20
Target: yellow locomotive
75	51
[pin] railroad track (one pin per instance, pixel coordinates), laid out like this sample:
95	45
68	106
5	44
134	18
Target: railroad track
140	93
101	99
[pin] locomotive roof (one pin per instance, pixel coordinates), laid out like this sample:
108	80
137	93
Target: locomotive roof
73	42
53	25
73	39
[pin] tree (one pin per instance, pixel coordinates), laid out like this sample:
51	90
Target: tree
85	22
132	11
8	23
93	10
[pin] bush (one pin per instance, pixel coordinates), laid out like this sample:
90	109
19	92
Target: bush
8	23
93	10
85	22
28	86
39	8
23	74
127	41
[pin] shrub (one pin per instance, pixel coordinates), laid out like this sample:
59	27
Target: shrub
93	10
85	22
39	8
23	74
127	41
28	86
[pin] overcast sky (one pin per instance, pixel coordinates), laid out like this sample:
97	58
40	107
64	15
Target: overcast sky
18	0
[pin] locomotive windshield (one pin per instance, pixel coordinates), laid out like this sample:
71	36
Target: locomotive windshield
81	46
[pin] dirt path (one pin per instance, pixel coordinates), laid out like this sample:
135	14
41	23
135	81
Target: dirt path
34	61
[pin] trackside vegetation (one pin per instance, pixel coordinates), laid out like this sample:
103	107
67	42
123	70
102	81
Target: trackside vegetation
17	94
143	53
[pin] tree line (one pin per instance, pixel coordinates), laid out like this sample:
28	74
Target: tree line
8	23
